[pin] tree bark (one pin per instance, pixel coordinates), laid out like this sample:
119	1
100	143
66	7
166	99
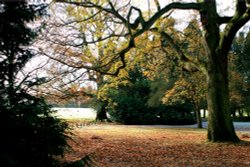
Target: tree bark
204	113
198	117
220	125
101	114
11	73
240	113
233	111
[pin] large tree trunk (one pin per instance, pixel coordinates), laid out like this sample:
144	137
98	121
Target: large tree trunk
101	113
220	125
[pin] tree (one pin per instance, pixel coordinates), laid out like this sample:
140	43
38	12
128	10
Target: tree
31	136
79	63
237	86
218	44
74	96
239	75
188	88
126	107
187	84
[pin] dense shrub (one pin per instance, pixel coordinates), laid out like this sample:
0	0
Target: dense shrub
241	119
130	110
133	111
31	137
129	105
178	114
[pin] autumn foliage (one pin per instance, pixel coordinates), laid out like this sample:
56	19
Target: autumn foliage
140	146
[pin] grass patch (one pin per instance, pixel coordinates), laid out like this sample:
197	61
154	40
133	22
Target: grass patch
82	122
77	120
140	146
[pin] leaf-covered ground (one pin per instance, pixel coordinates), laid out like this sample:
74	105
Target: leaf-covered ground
133	146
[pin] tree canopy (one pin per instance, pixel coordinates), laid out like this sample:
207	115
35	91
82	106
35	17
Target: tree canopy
125	23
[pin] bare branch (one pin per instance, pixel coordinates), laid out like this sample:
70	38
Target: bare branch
79	21
167	38
139	21
174	5
241	17
150	22
191	65
225	19
158	6
28	75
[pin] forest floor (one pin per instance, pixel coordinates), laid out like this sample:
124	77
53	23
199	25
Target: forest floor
156	146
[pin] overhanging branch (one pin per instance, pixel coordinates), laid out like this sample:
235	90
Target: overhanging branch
223	20
145	25
240	18
190	65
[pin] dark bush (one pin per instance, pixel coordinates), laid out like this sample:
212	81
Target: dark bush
130	105
31	137
241	119
135	113
132	109
178	114
172	117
